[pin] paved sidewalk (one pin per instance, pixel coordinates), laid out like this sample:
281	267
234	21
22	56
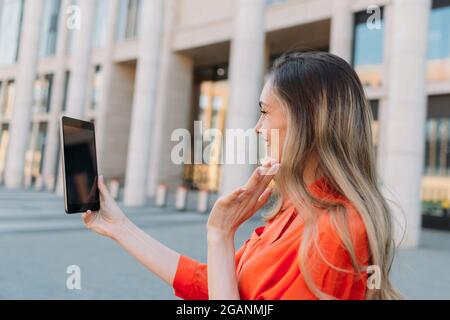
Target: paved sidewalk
38	241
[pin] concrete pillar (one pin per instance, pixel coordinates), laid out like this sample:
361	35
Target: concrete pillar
143	104
107	65
21	116
403	130
115	123
52	141
174	112
246	74
79	73
81	61
341	38
173	107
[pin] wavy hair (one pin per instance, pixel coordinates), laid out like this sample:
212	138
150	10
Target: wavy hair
329	118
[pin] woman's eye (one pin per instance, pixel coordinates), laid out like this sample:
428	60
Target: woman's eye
263	112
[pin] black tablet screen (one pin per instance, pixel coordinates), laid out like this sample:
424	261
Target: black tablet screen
80	165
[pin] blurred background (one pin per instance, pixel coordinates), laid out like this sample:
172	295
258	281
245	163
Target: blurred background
140	69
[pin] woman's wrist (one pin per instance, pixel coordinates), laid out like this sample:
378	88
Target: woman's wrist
215	234
122	230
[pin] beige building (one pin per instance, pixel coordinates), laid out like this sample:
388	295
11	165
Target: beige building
141	68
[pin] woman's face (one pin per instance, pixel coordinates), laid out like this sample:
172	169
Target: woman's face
272	123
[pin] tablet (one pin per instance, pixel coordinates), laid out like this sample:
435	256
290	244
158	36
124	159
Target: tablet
79	160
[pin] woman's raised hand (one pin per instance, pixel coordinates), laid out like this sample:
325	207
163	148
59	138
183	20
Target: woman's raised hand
110	219
231	210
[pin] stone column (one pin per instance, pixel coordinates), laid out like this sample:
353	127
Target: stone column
52	142
79	72
1	7
173	107
403	131
384	101
246	75
81	61
341	37
107	65
21	116
144	102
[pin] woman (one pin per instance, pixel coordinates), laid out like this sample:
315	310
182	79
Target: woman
330	222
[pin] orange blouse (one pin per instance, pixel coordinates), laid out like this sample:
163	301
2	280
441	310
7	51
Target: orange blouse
267	264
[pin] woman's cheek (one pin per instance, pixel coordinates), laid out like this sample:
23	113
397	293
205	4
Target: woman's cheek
274	144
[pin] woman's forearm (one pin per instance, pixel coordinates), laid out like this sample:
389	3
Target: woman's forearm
155	256
222	280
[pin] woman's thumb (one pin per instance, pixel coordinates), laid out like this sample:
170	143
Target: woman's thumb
102	186
87	216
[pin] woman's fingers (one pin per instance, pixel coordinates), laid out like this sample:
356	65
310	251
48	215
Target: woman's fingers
237	193
253	180
263	198
261	177
234	196
259	174
257	193
87	217
266	176
268	162
269	168
254	189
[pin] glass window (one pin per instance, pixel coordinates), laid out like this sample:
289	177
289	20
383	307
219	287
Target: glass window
439	42
439	30
96	89
7	94
42	93
101	11
10	29
374	106
368	47
436	177
128	22
66	90
217	103
211	91
50	27
35	153
271	2
2	93
437	145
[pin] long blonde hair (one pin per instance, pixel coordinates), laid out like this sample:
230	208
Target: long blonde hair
329	118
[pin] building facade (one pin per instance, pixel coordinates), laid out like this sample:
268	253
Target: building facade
142	68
